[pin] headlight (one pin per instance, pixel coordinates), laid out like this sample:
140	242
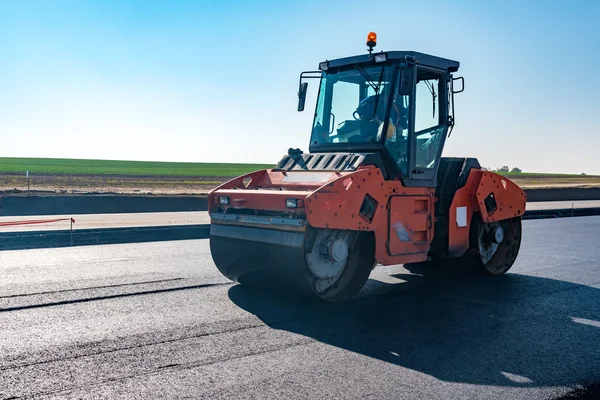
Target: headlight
291	203
224	200
380	57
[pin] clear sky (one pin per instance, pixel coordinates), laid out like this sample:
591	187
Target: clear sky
217	80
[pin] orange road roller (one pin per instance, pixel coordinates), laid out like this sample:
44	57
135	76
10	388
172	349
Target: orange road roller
373	188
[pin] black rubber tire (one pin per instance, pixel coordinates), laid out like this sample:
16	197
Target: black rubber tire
505	255
361	262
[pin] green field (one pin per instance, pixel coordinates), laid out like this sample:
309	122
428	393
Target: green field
110	167
536	179
154	168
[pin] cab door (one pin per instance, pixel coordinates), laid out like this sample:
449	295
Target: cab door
410	224
431	123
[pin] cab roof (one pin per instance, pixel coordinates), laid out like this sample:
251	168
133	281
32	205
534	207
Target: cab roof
419	59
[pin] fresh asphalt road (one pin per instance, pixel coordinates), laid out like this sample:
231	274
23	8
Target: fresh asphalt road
157	320
99	221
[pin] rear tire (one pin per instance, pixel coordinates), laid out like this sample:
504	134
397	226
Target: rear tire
504	255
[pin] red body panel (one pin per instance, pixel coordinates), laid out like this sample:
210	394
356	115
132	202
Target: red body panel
510	200
403	221
338	204
268	190
333	200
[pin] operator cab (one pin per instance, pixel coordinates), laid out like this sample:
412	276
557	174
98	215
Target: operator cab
396	104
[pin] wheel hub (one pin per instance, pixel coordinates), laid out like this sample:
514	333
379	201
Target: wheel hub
328	256
498	234
491	236
338	250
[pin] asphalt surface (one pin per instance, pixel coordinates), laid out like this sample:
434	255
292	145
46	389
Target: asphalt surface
547	205
126	220
103	221
157	320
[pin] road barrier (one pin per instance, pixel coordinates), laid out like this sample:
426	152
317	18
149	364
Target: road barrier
15	240
37	221
89	237
36	205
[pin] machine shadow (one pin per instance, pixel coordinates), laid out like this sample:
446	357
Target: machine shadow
514	330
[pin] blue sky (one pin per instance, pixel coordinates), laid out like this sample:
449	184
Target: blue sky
217	81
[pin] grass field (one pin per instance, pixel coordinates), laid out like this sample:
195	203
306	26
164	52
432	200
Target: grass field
536	179
106	176
109	167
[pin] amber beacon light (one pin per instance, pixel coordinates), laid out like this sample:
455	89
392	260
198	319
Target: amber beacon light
371	40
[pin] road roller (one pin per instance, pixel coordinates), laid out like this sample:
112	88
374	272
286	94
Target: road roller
372	189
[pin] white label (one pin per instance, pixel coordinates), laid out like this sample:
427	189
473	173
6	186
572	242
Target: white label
461	216
401	232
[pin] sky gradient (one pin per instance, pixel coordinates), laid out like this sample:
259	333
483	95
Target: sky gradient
214	81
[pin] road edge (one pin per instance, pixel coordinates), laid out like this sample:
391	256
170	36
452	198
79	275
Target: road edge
90	237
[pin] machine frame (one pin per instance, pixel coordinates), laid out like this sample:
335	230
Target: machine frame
322	221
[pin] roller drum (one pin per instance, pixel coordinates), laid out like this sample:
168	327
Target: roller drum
260	256
330	264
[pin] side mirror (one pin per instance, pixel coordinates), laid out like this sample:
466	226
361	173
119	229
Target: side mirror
462	81
302	96
406	82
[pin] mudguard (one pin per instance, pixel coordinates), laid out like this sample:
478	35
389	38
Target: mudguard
492	196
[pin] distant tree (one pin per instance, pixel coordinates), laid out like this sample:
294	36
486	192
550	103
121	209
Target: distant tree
516	170
504	169
583	174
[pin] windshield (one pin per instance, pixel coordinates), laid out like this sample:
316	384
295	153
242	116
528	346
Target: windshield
351	105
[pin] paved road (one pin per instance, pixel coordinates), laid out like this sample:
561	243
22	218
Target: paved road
545	205
156	320
95	221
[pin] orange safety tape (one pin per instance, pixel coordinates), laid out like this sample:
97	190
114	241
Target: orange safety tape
39	221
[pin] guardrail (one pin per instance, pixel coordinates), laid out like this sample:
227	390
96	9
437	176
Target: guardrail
561	213
37	221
